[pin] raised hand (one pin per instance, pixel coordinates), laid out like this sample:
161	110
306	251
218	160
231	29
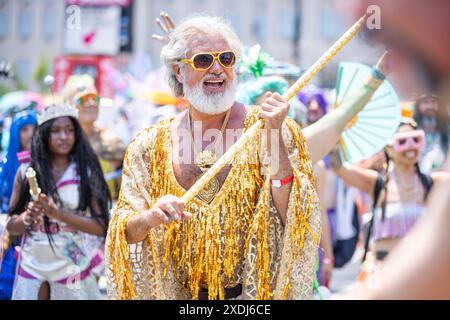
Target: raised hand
384	64
274	110
167	26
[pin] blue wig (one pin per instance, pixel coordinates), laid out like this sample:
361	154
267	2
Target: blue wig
249	91
10	163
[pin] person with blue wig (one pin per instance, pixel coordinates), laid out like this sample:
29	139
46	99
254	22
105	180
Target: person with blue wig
20	136
21	132
252	92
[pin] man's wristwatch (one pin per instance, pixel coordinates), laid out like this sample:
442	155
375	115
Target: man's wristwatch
282	182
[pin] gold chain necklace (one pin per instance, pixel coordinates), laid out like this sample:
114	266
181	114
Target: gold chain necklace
205	159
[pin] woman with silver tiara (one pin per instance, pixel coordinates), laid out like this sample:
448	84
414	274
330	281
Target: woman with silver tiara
59	226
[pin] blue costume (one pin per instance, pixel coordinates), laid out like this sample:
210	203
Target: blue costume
8	169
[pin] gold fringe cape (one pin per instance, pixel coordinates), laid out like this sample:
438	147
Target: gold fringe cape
237	238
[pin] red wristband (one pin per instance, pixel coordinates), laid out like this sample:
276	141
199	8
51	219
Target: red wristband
282	182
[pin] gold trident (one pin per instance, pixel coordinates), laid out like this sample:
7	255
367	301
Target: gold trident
291	92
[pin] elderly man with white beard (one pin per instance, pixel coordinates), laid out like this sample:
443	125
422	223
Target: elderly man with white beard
252	232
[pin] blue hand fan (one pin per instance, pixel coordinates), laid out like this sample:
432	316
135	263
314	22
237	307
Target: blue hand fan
370	131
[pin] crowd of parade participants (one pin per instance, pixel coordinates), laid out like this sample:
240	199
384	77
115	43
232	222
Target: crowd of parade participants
52	245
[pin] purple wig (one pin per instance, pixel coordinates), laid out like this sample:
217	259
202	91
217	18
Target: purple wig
306	96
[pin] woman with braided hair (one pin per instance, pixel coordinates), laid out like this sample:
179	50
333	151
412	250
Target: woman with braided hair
63	228
399	193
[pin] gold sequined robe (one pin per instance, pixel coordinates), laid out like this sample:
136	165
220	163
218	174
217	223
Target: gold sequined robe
237	238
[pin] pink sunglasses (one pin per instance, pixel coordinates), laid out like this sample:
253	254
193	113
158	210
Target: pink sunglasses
403	141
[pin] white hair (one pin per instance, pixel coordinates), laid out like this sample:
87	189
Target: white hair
177	46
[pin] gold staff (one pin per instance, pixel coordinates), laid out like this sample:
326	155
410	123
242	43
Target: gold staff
292	91
34	187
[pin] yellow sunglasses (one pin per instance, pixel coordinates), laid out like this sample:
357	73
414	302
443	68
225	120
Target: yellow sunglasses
204	60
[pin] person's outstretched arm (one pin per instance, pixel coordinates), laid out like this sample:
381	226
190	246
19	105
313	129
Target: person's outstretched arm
324	134
353	175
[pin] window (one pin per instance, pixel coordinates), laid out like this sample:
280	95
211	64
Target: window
260	26
49	3
235	21
86	69
48	24
4	22
331	25
23	68
24	3
4	19
262	3
25	22
286	24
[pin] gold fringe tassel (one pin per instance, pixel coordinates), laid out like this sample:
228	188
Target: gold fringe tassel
194	248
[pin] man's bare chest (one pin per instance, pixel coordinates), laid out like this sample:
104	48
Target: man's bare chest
187	174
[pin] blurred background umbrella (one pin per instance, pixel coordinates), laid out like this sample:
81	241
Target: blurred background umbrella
370	131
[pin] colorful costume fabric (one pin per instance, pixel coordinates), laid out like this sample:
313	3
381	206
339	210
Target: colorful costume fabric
66	262
10	163
236	239
8	169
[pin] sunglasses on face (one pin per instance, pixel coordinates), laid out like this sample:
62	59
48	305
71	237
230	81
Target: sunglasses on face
408	140
203	61
403	141
81	101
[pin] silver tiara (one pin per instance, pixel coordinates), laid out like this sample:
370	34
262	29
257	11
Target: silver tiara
56	111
